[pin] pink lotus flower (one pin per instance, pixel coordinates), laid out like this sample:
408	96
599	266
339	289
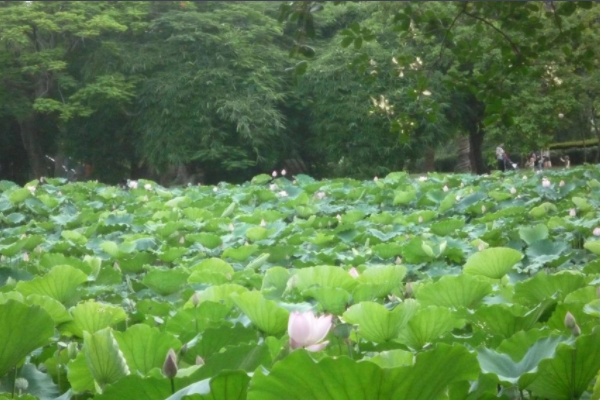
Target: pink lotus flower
353	272
596	232
572	212
307	331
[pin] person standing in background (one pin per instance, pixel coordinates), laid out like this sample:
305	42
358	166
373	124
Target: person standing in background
500	157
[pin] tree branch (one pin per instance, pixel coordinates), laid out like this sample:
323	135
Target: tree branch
443	45
488	23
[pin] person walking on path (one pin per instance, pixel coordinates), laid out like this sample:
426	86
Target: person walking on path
500	157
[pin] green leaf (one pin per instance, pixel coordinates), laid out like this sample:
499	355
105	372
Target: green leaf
23	328
534	233
213	340
265	314
569	374
145	348
454	292
493	263
104	359
57	311
324	276
227	385
60	284
543	286
376	323
241	253
79	374
166	282
91	316
427	325
333	300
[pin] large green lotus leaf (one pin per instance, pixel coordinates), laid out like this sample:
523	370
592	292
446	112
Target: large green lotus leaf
275	282
241	253
447	226
424	215
208	240
511	371
454	292
265	314
532	234
257	233
569	374
586	320
546	252
16	296
60	284
135	262
19	195
324	276
227	385
386	278
581	203
145	348
171	254
214	265
582	295
90	316
413	252
343	378
39	384
499	196
542	210
166	282
118	251
543	286
49	260
493	263
404	197
518	344
385	251
447	203
333	300
143	243
215	339
104	359
57	311
23	328
393	358
188	322
74	237
79	374
221	293
504	320
135	387
427	325
593	246
378	324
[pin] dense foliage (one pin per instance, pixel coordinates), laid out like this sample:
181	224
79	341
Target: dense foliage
183	91
446	286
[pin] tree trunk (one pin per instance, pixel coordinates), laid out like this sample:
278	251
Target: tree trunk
464	151
476	147
31	142
429	164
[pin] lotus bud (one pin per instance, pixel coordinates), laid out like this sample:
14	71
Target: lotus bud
561	183
576	331
353	272
462	184
231	226
215	189
457	198
274	174
31	189
524	177
445	188
283	172
561	115
181	240
26	257
545	183
420	219
21	384
339	218
596	232
572	212
483	209
148	186
116	267
376	179
170	365
200	360
513	190
195	299
570	321
72	350
408	291
398	261
481	247
294	181
263	223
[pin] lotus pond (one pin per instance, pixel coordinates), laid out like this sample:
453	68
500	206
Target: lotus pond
441	287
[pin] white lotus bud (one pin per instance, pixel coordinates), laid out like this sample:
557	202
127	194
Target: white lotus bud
572	212
170	365
561	115
263	223
283	172
561	183
420	219
398	260
445	188
215	189
148	186
274	174
513	190
570	321
483	209
376	179
200	360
